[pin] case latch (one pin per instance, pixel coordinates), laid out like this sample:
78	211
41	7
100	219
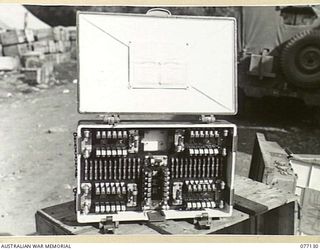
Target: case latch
108	226
111	119
207	118
203	221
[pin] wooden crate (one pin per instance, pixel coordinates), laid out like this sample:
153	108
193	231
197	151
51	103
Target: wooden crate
60	46
43	34
41	46
60	33
270	165
8	63
52	46
72	30
12	37
38	75
16	50
260	209
310	212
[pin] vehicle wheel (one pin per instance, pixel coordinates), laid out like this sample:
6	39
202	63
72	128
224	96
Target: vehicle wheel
300	59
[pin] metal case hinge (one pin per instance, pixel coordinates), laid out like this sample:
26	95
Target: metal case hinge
111	119
207	118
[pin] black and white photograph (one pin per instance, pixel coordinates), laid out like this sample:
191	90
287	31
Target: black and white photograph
159	120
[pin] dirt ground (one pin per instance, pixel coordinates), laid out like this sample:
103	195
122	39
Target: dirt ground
37	161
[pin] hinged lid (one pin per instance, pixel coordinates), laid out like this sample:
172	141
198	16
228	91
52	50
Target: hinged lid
160	65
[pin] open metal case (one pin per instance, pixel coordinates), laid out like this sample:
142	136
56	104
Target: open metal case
158	71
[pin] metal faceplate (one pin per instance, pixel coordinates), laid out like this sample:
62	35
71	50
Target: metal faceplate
147	64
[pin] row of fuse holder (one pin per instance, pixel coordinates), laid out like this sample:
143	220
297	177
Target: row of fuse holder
112	134
204	204
207	133
119	169
195	167
202	185
109	152
110	207
204	151
102	188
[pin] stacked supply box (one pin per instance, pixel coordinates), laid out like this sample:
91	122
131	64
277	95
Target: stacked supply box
14	43
54	43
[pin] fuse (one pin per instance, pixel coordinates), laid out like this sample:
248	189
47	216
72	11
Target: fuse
95	170
98	135
225	133
114	134
129	168
114	152
118	207
224	152
191	134
102	189
215	151
123	207
213	204
211	133
102	207
208	204
189	205
211	151
113	208
119	134
109	134
124	152
196	134
216	133
100	169
198	205
107	189
194	205
205	151
119	151
105	169
196	151
109	152
103	152
107	205
98	152
123	188
97	207
114	169
125	134
86	169
134	168
199	167
97	188
103	135
90	169
206	134
221	204
119	169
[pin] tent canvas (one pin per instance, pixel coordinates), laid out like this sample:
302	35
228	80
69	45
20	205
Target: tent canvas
12	16
264	27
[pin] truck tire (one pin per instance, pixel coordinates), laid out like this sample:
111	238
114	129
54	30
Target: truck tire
300	59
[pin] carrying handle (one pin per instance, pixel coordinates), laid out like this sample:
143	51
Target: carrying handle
158	12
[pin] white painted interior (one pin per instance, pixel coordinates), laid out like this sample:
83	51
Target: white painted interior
147	64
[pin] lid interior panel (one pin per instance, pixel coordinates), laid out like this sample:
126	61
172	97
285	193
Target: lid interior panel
146	64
